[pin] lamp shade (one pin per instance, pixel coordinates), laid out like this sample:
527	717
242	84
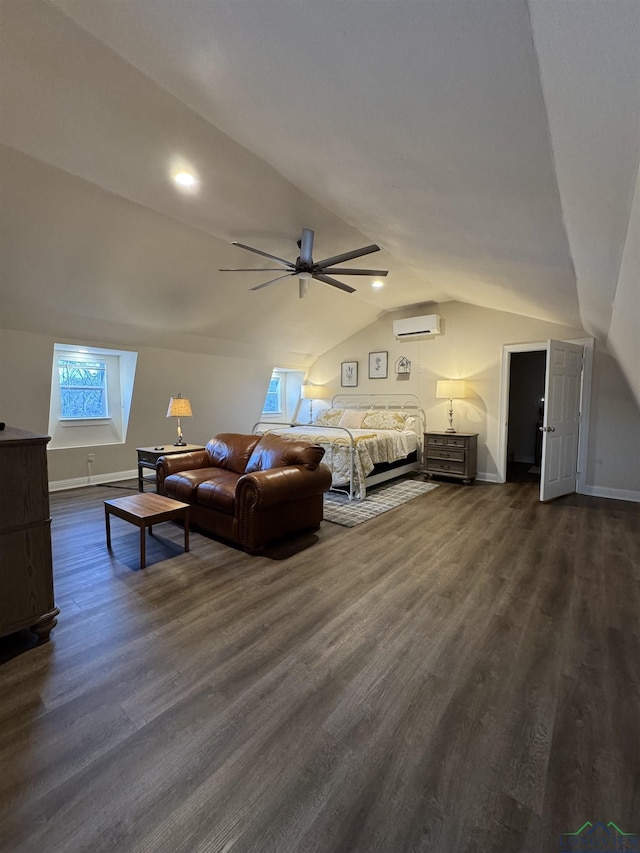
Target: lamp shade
315	392
179	407
451	389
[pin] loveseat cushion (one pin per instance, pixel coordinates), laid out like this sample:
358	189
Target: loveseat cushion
274	451
183	485
219	491
231	450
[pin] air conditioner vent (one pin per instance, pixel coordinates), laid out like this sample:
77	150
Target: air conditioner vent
417	327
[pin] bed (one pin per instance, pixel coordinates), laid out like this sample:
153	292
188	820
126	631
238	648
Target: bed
368	438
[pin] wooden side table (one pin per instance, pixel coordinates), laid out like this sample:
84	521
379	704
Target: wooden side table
451	454
148	456
144	511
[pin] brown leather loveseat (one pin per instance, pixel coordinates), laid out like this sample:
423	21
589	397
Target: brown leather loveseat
249	489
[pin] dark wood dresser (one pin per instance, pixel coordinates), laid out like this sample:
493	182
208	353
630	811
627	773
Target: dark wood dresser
26	567
451	454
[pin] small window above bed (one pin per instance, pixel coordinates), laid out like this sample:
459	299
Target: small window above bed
282	395
273	401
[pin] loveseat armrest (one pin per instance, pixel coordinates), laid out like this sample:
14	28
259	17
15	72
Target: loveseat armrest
264	489
167	465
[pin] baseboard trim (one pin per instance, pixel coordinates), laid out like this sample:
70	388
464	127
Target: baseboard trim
483	477
487	478
612	494
92	480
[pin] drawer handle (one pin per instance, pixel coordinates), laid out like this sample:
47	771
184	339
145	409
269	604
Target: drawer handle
445	466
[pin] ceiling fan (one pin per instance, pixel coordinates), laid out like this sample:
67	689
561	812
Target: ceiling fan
305	268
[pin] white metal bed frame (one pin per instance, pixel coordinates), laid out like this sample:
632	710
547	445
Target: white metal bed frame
409	403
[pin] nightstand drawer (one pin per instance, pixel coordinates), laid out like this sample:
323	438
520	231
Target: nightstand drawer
448	440
445	467
147	456
434	452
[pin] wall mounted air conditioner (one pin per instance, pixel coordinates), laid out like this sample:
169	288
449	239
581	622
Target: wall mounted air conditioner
417	327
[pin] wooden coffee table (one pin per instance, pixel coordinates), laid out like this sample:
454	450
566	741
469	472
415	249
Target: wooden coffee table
144	510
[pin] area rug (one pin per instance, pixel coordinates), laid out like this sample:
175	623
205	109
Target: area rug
340	510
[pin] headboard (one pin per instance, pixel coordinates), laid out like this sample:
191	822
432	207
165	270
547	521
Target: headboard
409	403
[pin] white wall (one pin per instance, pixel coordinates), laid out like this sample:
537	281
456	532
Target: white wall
624	332
227	392
613	462
470	347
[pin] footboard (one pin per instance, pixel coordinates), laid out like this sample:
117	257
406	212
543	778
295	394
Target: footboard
341	453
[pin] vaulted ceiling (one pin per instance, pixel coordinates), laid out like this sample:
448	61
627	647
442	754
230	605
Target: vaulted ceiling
490	147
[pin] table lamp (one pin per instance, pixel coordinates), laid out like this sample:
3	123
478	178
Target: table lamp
451	389
314	392
179	407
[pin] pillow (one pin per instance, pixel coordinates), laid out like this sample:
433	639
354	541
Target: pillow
328	417
388	419
351	419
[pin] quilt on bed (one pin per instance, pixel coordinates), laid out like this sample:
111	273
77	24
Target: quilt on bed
370	447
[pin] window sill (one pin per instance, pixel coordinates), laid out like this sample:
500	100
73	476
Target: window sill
84	422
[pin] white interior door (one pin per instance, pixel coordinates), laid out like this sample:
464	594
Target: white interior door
561	424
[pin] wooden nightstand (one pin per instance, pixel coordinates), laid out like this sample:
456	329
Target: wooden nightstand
451	454
148	456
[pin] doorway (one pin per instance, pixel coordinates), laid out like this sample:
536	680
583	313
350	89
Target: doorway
579	467
525	415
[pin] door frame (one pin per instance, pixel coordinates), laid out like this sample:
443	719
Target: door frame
585	405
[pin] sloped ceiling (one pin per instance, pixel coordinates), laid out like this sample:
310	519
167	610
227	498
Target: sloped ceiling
490	147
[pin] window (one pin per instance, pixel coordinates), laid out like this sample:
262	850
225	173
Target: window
91	393
273	401
83	388
283	395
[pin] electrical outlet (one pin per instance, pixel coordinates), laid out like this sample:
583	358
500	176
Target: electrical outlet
91	457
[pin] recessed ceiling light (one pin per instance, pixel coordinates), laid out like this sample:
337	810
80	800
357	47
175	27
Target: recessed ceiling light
377	284
185	179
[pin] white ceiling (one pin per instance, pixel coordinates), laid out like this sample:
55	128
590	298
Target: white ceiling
490	147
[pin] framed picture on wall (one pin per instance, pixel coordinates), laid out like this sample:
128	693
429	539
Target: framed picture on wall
349	374
378	365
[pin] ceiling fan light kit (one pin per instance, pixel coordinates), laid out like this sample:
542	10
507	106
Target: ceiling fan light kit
305	268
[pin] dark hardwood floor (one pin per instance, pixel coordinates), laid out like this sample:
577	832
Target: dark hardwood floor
460	674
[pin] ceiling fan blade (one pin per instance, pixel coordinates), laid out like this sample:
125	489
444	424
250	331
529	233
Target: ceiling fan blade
347	256
273	280
280	261
332	281
252	269
348	271
306	246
